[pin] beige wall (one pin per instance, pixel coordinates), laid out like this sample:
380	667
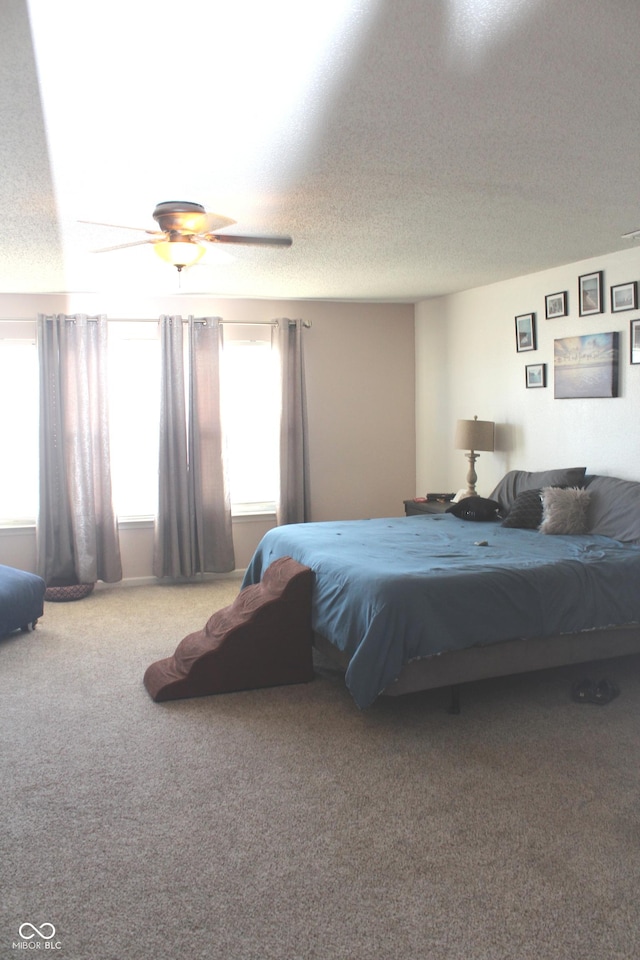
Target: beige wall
360	388
361	407
467	363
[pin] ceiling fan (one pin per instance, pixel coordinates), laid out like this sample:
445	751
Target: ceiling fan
185	229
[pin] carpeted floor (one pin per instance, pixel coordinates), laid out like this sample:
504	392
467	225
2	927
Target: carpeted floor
285	823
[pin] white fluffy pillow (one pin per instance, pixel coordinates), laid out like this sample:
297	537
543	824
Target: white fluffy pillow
565	510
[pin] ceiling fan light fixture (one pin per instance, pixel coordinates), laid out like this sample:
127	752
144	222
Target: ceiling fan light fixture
187	231
179	251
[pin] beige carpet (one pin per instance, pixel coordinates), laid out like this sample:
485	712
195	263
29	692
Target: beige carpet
285	823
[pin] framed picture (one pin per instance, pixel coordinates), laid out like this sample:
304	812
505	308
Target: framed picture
526	332
624	296
590	293
536	375
586	366
556	305
635	341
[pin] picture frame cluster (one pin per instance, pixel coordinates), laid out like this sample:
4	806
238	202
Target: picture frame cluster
576	358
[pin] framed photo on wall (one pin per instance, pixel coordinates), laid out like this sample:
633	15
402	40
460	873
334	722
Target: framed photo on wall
526	332
590	293
535	375
586	366
635	341
555	305
624	296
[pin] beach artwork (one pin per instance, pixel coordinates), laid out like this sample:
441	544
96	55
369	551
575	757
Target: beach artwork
586	366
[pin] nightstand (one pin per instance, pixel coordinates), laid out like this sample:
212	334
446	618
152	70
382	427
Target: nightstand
414	507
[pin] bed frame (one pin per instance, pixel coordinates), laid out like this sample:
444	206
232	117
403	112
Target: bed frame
501	659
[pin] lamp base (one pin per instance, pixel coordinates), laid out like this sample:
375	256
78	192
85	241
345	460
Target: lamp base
463	494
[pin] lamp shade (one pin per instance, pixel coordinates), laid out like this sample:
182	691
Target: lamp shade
181	252
475	434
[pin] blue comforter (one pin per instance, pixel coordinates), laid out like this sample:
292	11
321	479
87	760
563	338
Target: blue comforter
390	591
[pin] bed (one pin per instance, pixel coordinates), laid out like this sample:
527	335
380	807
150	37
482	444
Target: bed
548	575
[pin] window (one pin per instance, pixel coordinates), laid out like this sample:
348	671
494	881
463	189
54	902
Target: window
250	410
18	422
134	416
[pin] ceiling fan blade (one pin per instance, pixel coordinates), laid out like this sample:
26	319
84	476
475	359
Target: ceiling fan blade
215	221
199	224
122	246
248	240
119	226
178	216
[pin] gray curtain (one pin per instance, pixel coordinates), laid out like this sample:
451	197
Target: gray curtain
172	540
193	526
294	501
77	533
211	502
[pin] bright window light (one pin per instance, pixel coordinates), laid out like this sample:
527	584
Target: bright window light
134	417
18	433
250	410
250	393
250	407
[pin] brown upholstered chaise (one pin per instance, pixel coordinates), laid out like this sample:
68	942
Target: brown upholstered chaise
262	640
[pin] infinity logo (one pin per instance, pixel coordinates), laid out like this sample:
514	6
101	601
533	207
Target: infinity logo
40	932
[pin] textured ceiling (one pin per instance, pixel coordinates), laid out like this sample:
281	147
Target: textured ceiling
411	148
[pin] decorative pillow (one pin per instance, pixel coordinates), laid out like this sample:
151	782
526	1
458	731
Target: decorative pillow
565	510
615	508
526	512
474	508
516	481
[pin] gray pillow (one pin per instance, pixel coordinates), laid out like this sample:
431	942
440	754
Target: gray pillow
526	511
615	508
565	510
516	481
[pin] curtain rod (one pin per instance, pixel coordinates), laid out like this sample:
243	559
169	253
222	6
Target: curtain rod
233	323
260	323
252	323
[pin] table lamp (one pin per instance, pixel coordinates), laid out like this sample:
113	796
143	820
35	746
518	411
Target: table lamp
473	435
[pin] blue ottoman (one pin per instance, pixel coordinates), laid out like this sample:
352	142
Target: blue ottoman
21	599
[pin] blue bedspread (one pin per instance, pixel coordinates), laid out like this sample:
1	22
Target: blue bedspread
393	590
